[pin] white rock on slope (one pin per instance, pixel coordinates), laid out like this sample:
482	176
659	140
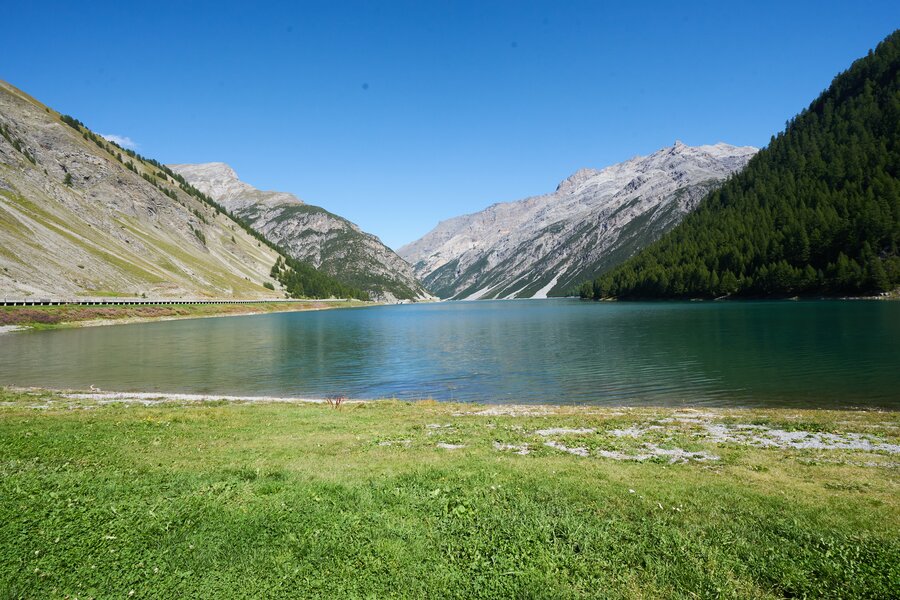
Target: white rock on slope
593	221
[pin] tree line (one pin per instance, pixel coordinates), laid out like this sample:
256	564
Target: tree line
301	280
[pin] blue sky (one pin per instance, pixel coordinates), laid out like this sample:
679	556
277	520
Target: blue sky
399	114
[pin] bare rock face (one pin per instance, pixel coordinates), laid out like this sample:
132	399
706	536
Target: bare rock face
310	233
80	217
219	181
547	244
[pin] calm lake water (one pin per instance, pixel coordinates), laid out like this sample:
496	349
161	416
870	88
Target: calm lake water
815	354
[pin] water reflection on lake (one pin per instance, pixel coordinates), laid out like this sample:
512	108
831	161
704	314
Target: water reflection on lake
829	353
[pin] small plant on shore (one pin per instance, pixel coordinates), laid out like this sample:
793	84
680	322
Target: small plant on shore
335	401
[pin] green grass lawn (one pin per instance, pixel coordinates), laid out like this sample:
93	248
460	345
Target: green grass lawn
240	500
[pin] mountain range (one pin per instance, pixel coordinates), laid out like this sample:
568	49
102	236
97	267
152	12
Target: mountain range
594	220
310	233
815	212
82	216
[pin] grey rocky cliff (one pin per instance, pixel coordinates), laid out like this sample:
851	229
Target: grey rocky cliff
310	233
594	220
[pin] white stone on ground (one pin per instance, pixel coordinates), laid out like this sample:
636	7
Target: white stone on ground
578	451
516	449
564	431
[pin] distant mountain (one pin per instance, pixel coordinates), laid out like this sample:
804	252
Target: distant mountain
310	233
82	216
816	212
594	220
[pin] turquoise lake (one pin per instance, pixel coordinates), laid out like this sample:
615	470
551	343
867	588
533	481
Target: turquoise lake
800	354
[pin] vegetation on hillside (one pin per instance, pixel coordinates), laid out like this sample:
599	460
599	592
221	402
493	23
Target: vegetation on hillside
345	253
16	143
301	280
427	500
162	177
816	212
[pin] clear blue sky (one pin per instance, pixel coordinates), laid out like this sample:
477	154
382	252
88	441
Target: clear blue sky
399	114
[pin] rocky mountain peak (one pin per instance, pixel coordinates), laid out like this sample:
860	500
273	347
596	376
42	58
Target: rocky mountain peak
310	233
218	169
595	219
682	157
571	182
219	181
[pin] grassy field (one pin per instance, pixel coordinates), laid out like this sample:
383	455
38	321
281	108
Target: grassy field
392	499
51	317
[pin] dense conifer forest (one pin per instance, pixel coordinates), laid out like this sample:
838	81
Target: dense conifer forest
817	212
301	280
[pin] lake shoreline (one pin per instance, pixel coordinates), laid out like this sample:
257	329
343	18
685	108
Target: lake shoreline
742	425
17	319
105	397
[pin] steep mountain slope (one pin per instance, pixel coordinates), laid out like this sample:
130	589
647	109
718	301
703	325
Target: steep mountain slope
310	233
816	212
593	221
78	218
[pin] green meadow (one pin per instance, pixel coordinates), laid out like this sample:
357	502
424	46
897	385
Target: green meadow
388	499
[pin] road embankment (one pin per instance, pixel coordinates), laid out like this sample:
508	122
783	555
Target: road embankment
15	318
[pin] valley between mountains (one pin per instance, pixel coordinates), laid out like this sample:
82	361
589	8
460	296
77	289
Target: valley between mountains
817	212
81	216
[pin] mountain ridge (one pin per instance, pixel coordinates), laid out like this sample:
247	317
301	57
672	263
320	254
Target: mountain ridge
218	180
80	215
310	233
545	243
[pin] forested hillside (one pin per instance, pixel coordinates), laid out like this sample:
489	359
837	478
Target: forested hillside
816	212
302	280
